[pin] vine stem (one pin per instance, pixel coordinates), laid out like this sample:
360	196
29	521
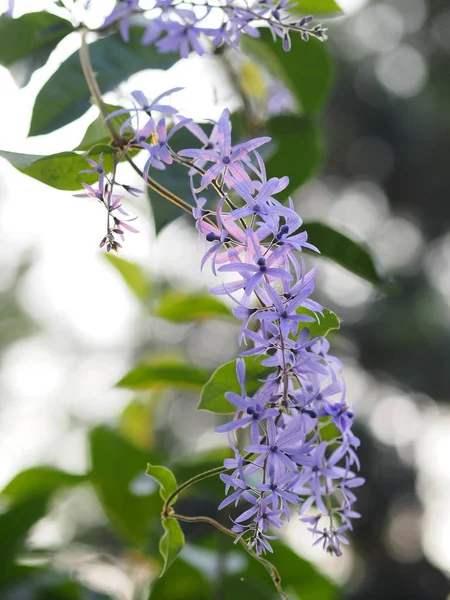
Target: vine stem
94	89
273	571
92	84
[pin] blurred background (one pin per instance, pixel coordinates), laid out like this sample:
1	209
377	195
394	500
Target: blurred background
71	327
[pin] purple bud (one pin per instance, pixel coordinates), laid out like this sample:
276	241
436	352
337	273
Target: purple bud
286	42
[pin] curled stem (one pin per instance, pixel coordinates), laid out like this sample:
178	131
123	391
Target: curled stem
200	477
273	571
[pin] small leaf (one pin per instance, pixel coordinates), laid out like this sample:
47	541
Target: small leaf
224	380
182	307
163	374
298	150
65	96
171	543
166	480
306	70
27	42
38	482
344	251
62	170
316	7
98	132
322	325
132	274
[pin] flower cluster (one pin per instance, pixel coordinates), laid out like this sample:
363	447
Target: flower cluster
104	193
300	450
187	26
292	439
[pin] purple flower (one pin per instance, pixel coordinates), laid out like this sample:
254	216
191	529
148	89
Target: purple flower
262	268
122	13
143	105
228	159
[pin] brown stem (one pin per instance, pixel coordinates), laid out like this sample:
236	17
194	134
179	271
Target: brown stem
273	571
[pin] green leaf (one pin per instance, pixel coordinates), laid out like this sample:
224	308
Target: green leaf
62	170
15	524
298	150
98	132
175	179
171	543
224	380
182	307
132	274
27	42
185	583
299	578
38	482
65	96
344	251
307	70
316	7
165	478
36	583
116	463
322	325
163	374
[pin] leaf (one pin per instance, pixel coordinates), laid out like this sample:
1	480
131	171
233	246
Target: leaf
171	543
175	179
344	251
116	463
36	583
136	420
322	325
38	482
224	380
299	578
132	274
164	373
27	42
182	307
15	524
62	170
98	132
185	583
307	70
166	480
316	7
298	150
65	96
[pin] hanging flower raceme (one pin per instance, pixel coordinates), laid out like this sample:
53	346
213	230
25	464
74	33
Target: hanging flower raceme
186	28
301	451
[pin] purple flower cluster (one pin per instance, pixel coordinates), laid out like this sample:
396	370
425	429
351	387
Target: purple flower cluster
104	192
183	27
300	450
